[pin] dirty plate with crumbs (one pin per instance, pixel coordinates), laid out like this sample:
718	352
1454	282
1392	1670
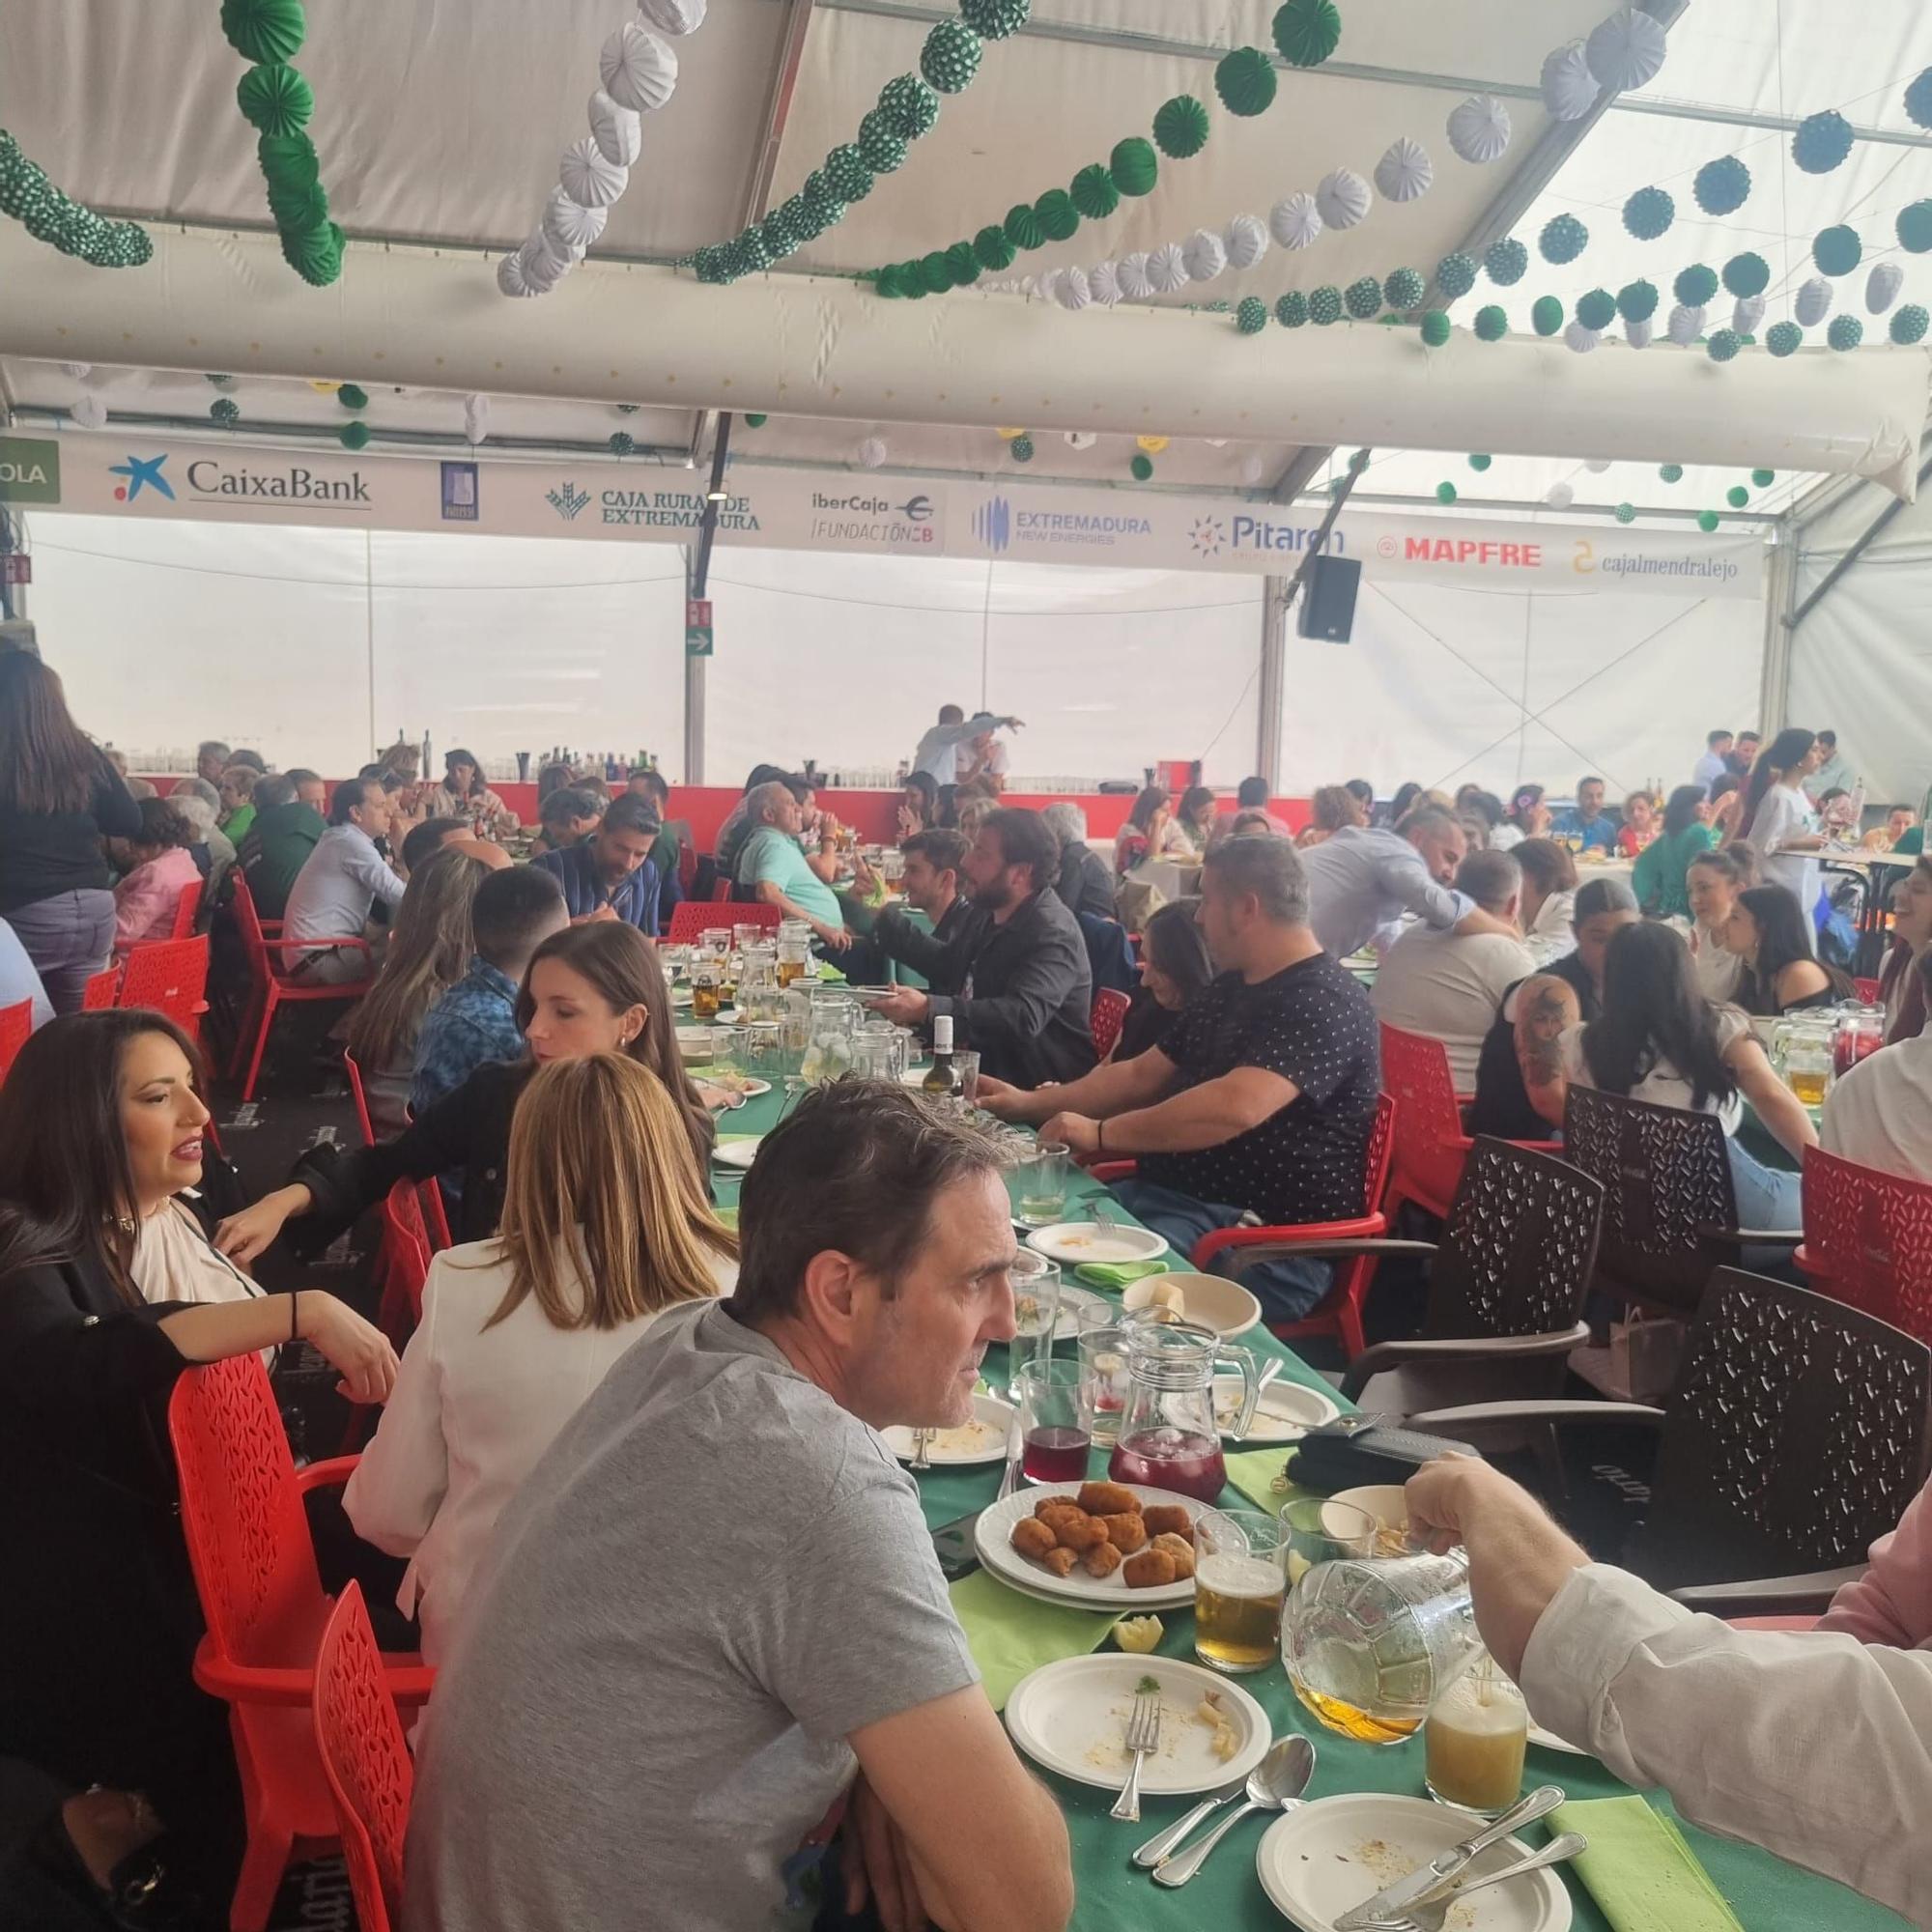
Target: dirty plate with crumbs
1328	1857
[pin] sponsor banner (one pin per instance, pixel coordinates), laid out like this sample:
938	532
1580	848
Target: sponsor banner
865	515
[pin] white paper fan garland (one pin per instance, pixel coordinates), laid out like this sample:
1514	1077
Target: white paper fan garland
589	177
1479	128
1070	290
639	67
1581	338
1883	286
1597	465
673	16
1570	90
1246	240
88	412
872	452
1104	283
1686	326
1639	334
1405	172
1343	199
1135	282
1296	223
1202	255
1626	51
1167	269
568	228
618	130
1747	314
1559	495
1813	302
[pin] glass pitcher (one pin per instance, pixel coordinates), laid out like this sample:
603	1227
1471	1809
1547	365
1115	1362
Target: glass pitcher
1371	1643
1168	1439
1859	1031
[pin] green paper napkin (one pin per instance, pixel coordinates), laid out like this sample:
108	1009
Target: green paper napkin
1012	1635
1253	1471
723	1138
1116	1274
1639	1870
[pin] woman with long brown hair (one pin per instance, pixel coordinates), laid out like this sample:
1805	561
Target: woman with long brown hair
1334	808
108	1290
428	952
605	1226
59	798
593	988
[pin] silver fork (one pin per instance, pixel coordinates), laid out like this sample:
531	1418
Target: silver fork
922	1448
1143	1737
1430	1914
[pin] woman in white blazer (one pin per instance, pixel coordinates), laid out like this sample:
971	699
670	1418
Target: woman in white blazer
605	1225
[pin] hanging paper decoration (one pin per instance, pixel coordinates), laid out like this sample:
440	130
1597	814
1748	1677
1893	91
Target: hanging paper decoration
48	215
1648	213
1746	314
1203	255
1251	315
1670	472
1151	445
1094	193
1909	325
1883	286
673	16
1625	513
1597	465
1708	521
1694	286
995	20
1363	300
1141	468
352	397
1479	128
1686	326
638	68
872	452
1626	51
1737	496
1506	263
353	435
1306	32
1639	335
1445	492
225	411
1081	438
1596	310
1637	302
1763	479
1136	284
1914	228
1245	81
1104	283
1481	463
1581	339
1059	218
1491	323
1918	100
1785	338
1559	495
1023	227
618	130
1253	470
1180	127
1562	239
589	177
1846	331
1325	305
1436	328
1167	269
274	98
621	443
1070	289
1746	275
1455	276
1822	142
1246	240
1404	171
1404	290
569	228
950	58
1813	302
1134	166
476	418
1343	199
1546	316
1836	250
264	31
88	412
1722	186
1723	345
881	146
1007	435
1291	310
1020	449
1296	223
1570	90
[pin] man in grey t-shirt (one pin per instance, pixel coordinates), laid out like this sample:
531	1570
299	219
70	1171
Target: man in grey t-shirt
715	1600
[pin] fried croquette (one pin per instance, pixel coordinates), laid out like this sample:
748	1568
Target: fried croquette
1033	1538
1056	1510
1180	1551
1102	1560
1127	1532
1148	1569
1168	1519
1061	1561
1107	1499
1080	1533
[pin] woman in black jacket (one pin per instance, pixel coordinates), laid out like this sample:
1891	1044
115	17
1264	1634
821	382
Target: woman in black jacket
100	1130
592	988
59	797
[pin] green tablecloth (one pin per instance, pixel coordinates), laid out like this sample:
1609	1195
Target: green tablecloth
1766	1894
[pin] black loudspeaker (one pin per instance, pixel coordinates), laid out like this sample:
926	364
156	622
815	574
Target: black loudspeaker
1327	607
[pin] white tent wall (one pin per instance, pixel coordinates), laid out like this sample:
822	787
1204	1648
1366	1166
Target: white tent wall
1449	686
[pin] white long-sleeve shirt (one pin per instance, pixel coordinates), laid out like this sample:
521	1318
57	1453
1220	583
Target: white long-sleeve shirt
338	884
1784	813
1361	881
1814	1746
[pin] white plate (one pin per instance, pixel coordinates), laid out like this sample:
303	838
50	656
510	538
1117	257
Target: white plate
737	1153
745	1089
1212	1300
992	1543
1071	1718
1072	1299
1318	1861
1072	1243
983	1439
1287	1410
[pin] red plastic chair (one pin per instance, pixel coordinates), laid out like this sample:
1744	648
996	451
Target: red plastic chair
254	1570
268	957
436	1216
1430	1144
1867	990
168	976
365	1761
360	1099
690	918
100	990
404	1262
721	890
16	1028
1868	1240
187	909
1110	1013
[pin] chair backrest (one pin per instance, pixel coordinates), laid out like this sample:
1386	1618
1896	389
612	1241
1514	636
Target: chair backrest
98	993
16	1026
249	922
361	1099
1110	958
721	890
1798	1430
186	909
408	1244
1381	1152
1110	1013
1870	1235
168	976
691	917
1520	1247
358	1737
1868	991
1429	1125
1666	1175
247	1538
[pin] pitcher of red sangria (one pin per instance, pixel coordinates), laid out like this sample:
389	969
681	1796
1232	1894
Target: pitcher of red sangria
1168	1439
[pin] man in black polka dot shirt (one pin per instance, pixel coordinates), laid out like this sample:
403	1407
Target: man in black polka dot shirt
1259	1103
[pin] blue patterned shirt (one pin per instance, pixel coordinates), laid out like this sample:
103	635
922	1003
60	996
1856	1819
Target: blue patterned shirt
473	1023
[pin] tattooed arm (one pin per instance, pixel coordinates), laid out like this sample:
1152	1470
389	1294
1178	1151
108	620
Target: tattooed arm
1545	1009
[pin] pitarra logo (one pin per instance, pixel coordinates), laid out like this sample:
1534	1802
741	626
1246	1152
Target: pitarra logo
1208	536
567	501
143	472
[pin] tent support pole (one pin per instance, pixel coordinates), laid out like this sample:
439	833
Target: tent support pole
694	697
1277	593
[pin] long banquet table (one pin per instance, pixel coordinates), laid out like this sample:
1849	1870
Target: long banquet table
1765	1892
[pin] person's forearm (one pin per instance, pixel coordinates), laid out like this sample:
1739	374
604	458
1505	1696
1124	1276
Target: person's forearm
1108	1090
1043	1903
1190	1121
824	862
1519	1560
1785	1115
211	1331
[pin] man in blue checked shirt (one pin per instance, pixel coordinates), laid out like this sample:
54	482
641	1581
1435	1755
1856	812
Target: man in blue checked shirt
1586	820
608	876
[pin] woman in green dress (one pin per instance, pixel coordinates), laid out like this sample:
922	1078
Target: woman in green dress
1658	878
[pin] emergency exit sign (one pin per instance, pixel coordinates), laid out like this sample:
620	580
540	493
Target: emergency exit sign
698	633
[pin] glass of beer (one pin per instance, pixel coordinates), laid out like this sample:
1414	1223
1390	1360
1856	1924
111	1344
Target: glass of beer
794	959
1238	1587
705	990
1474	1741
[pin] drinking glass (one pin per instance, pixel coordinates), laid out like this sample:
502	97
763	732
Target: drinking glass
1808	1066
794	959
706	982
1053	1443
1316	1530
1474	1741
967	1067
1036	1314
714	940
1103	1373
761	1052
1043	1185
1238	1588
742	936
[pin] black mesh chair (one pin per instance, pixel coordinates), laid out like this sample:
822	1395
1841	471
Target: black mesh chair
1798	1432
1671	1215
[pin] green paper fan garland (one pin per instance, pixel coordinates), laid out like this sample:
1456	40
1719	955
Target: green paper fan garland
1059	218
1093	192
1785	338
1918	100
1023	227
1737	496
1291	310
1695	286
1836	250
1455	276
1763	479
353	435
935	272
1846	331
1251	315
315	254
1625	513
962	264
1306	32
1140	468
264	31
995	20
1404	290
1325	305
848	174
1670	472
1637	302
48	215
950	58
1708	521
1547	315
1506	263
1563	240
225	411
993	248
1445	493
911	107
1746	275
1134	166
1822	142
1436	328
1245	81
1596	310
1181	128
1722	186
1915	226
1723	345
352	398
1363	300
621	443
756	422
882	146
1649	214
274	98
1909	325
1491	323
1020	449
1478	464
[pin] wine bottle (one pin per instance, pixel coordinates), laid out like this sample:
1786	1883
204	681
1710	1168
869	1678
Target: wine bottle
942	1077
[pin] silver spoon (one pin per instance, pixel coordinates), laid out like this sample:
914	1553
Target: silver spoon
1275	1784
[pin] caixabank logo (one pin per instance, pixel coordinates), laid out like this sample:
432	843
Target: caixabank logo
148	480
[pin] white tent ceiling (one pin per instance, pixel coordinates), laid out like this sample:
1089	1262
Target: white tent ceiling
443	125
